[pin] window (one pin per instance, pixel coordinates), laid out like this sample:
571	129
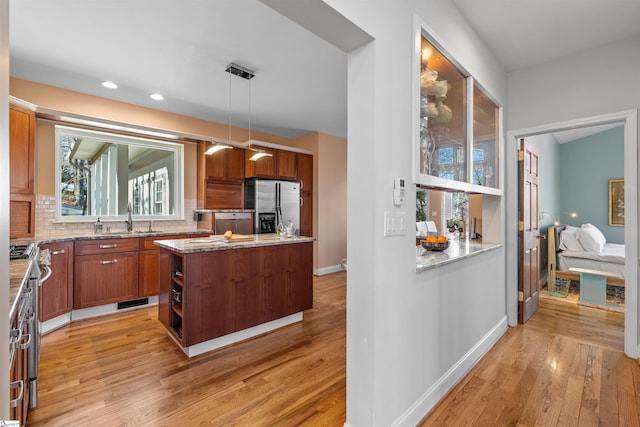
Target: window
458	126
455	207
101	174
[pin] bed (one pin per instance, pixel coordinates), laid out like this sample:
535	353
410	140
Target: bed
583	248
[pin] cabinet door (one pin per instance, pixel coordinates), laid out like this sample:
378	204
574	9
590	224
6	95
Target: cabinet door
287	167
105	279
235	165
305	172
264	167
224	195
148	285
306	214
22	215
216	165
56	294
22	145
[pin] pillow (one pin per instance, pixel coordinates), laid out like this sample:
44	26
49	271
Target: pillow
591	239
569	239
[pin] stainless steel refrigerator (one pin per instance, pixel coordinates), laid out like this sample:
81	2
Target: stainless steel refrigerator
273	201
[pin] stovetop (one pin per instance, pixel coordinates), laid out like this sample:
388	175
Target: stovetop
20	251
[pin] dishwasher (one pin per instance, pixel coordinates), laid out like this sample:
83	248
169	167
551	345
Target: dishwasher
237	222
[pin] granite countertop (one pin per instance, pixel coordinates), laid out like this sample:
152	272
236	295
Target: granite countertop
458	249
118	234
18	277
207	244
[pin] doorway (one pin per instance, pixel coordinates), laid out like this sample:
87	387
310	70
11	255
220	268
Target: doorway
629	120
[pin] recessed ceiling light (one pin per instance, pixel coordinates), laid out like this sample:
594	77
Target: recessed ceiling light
110	85
156	96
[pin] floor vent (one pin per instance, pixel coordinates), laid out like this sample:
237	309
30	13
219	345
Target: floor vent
133	303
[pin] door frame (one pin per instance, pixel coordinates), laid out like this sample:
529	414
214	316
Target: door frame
629	119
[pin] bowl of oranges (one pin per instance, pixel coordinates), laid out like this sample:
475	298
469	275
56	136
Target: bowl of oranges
433	243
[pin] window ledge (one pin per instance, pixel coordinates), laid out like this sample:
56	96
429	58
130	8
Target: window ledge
458	250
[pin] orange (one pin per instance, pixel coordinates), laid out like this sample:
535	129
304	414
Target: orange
431	239
442	239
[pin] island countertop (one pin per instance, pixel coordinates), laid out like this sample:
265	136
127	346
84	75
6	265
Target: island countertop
205	244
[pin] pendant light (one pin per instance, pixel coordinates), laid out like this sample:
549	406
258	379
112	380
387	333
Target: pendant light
246	74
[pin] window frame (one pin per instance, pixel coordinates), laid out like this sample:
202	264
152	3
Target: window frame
177	181
430	181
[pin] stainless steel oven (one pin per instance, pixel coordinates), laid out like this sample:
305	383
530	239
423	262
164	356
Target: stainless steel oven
25	333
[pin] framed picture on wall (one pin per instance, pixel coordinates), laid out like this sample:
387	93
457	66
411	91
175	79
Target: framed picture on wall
616	202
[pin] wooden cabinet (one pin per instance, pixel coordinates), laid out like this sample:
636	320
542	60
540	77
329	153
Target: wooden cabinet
56	294
264	167
224	195
148	263
22	171
286	165
305	176
306	213
305	172
251	286
105	272
281	165
225	165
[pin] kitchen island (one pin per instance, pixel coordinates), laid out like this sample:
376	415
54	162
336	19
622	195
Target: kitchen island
214	293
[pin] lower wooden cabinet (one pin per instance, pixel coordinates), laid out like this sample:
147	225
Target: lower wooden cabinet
148	273
105	272
56	294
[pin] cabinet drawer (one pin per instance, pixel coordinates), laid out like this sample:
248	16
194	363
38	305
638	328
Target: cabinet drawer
101	246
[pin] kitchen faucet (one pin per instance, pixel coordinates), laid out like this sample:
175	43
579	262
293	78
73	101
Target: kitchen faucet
129	220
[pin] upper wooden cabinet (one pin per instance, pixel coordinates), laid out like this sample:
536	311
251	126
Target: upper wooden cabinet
287	166
281	164
22	145
264	167
22	172
226	165
305	172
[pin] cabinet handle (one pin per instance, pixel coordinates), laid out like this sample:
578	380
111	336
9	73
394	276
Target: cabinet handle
115	245
301	184
25	342
109	261
301	201
12	386
60	252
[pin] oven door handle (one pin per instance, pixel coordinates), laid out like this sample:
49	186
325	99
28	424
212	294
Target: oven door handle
47	274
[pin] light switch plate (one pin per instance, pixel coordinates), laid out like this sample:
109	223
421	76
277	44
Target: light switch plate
395	224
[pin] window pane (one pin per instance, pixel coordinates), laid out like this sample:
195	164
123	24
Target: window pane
100	174
442	116
485	140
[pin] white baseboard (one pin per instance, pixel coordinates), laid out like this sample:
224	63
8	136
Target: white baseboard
235	337
327	270
55	323
432	396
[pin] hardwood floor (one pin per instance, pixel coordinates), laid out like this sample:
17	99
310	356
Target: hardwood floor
565	367
122	370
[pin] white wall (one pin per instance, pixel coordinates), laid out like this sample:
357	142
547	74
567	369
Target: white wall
406	332
573	93
4	201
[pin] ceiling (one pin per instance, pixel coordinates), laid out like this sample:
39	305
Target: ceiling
181	49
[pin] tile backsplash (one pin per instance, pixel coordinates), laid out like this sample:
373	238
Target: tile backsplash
46	222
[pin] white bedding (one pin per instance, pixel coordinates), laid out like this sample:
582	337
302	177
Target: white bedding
610	259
